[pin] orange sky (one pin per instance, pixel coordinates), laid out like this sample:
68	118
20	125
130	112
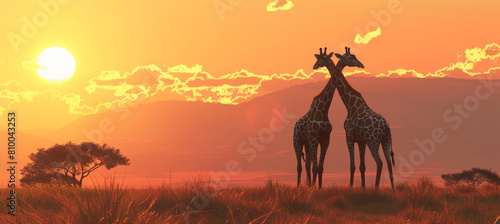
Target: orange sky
215	40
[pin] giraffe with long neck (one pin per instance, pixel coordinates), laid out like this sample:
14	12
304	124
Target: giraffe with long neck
314	128
362	126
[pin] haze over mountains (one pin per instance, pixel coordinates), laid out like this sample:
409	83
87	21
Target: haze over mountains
182	140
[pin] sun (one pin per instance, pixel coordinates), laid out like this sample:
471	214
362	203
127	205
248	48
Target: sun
56	65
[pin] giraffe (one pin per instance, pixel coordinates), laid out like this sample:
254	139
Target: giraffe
314	128
363	125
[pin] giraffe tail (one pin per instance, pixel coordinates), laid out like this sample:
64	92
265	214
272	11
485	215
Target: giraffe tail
392	153
303	156
389	139
392	156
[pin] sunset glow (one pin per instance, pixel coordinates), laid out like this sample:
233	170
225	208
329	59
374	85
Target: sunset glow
60	65
231	111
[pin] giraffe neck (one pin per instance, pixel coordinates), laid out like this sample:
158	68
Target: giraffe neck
323	100
351	98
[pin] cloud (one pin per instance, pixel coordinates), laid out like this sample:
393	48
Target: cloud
151	83
191	83
279	5
41	109
369	36
13	92
474	59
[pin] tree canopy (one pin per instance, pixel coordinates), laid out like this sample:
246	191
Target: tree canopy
473	177
69	164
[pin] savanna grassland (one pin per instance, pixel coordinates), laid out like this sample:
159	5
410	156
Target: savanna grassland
271	202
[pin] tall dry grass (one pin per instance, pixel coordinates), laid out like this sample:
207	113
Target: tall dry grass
271	202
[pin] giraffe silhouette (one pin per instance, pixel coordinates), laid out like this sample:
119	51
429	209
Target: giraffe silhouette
363	125
314	128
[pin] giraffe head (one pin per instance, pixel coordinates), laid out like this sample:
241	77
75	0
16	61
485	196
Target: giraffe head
349	59
322	59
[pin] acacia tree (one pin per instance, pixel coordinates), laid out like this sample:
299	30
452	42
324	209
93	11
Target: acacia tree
473	177
69	164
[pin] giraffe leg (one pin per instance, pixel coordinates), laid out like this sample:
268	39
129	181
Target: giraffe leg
308	164
324	146
362	167
314	158
350	146
374	150
387	147
298	146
